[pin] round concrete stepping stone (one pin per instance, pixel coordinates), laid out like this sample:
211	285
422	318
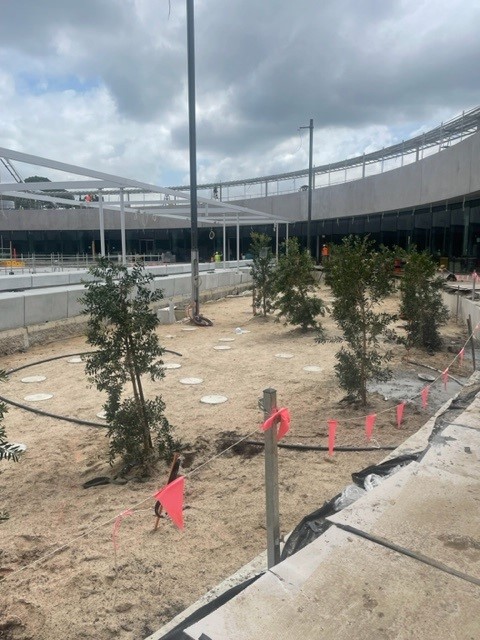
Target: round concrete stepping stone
222	347
189	328
38	397
75	360
213	399
102	415
171	365
226	339
313	368
29	379
284	355
191	380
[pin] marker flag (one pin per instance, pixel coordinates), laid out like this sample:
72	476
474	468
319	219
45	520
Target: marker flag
171	499
425	392
369	424
445	378
281	415
400	408
116	526
332	429
461	354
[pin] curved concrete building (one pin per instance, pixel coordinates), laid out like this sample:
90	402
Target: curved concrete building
425	191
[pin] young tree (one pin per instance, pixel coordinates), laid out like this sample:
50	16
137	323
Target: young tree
295	286
263	273
7	450
360	278
421	301
122	327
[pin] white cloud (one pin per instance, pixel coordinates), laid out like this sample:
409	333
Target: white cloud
102	83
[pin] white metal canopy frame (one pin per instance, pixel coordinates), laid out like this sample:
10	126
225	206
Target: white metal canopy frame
213	211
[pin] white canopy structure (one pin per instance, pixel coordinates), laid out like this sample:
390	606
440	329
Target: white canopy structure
174	204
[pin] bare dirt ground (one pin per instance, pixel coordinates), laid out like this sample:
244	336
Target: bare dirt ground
85	590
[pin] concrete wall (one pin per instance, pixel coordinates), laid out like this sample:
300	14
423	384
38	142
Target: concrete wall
40	306
448	175
41	280
445	176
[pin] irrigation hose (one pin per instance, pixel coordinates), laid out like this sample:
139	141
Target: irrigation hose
40	412
69	355
309	447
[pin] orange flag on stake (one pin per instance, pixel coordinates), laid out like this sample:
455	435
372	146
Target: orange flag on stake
171	499
424	394
332	428
369	424
461	354
283	415
400	408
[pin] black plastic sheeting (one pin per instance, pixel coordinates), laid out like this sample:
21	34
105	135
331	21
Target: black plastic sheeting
313	525
177	633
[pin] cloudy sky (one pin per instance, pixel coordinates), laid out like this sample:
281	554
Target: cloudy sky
102	83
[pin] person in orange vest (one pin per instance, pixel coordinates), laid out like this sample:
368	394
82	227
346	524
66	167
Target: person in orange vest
325	252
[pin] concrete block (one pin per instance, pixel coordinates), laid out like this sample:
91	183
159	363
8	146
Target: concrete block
166	315
49	279
45	306
74	306
12	311
9	283
182	285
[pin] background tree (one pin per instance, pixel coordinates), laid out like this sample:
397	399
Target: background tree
360	279
122	326
421	301
295	286
28	203
263	273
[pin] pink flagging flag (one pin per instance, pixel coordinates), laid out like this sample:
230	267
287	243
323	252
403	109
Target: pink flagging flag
461	354
281	415
445	378
425	392
171	499
400	409
116	526
369	424
332	429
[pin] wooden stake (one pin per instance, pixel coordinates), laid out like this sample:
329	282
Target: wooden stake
271	482
172	475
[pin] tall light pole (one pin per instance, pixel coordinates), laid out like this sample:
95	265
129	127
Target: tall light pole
193	157
310	182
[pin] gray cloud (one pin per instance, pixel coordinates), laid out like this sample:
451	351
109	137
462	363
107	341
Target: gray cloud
262	68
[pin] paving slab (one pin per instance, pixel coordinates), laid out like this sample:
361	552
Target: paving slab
426	510
343	587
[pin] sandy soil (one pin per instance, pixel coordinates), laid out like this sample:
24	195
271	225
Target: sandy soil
85	590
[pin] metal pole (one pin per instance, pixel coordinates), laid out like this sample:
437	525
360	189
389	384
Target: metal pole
310	182
271	482
102	223
224	243
193	156
276	241
122	227
286	239
238	243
